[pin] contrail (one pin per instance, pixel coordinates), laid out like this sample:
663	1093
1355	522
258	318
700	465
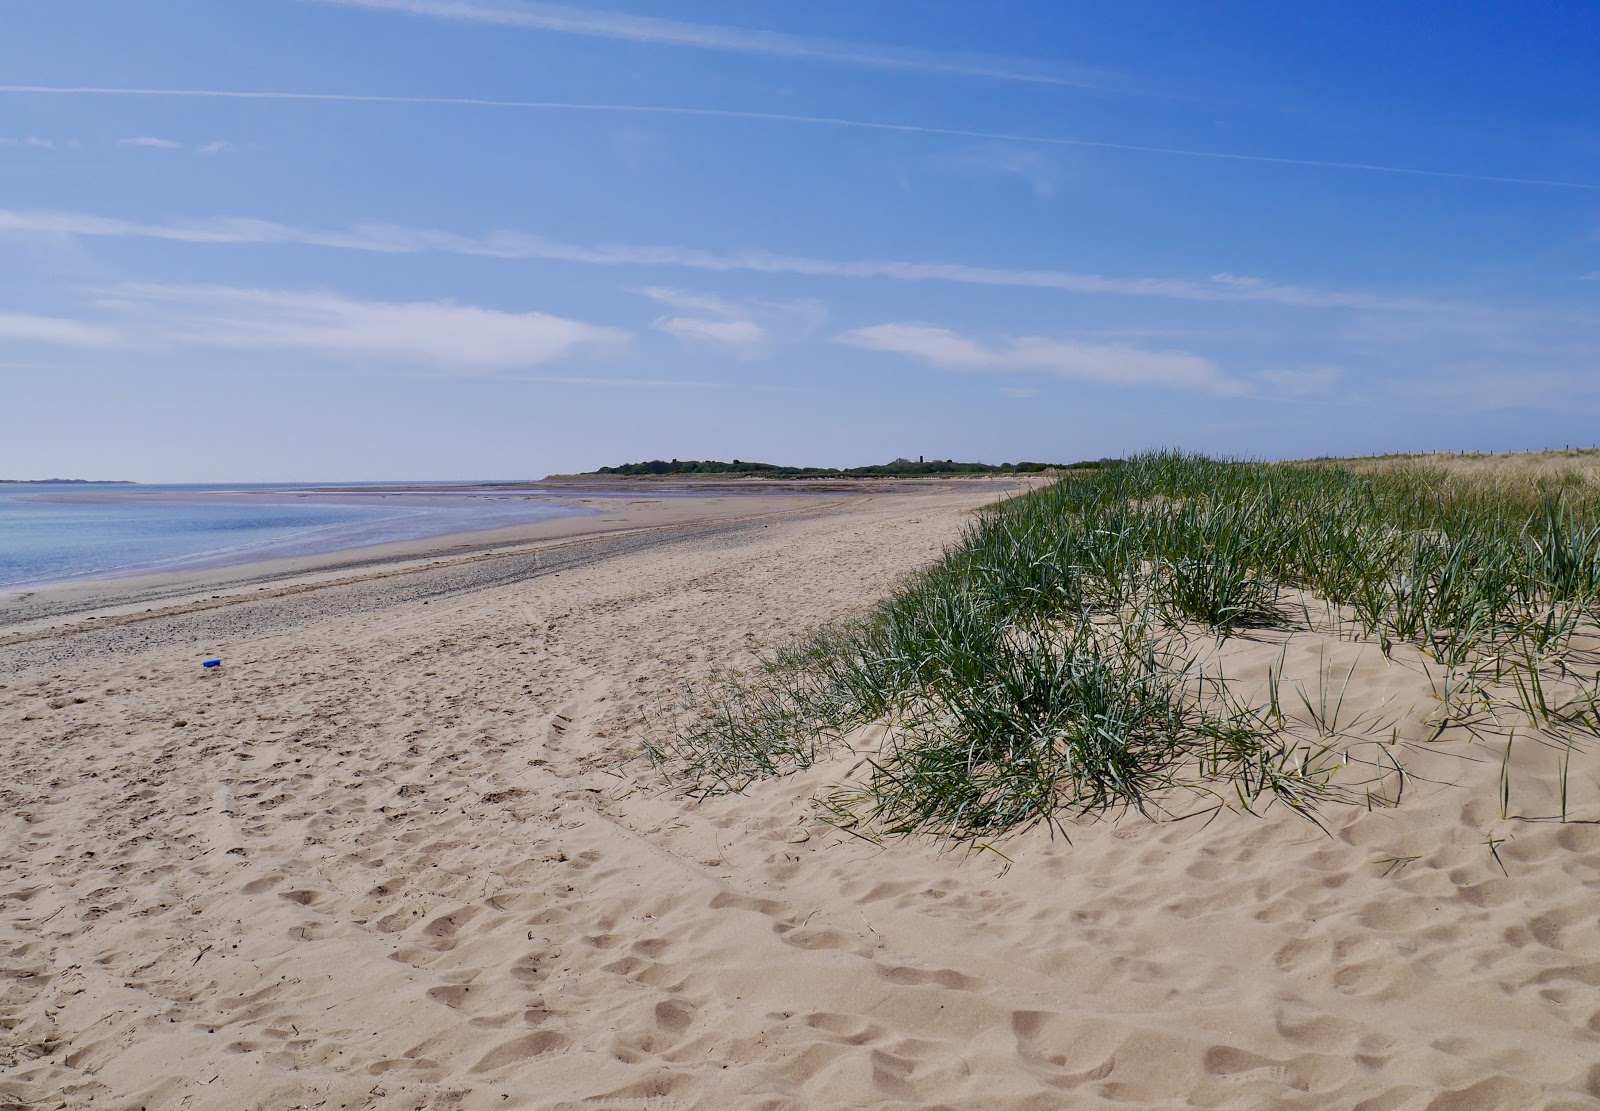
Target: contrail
592	23
782	117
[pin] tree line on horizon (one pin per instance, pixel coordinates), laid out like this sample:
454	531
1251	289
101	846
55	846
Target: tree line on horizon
895	468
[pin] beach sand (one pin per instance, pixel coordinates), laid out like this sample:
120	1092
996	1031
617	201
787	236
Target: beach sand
391	855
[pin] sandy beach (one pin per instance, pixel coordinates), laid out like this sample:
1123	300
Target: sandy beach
399	851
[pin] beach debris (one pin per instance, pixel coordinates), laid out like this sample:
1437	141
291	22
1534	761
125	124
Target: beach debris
212	663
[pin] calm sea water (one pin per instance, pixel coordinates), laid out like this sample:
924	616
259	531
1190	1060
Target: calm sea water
51	533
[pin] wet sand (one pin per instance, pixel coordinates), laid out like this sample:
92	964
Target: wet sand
459	560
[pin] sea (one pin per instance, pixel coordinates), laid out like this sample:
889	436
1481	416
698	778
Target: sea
52	533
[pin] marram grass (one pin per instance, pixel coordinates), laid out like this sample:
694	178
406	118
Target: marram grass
1034	673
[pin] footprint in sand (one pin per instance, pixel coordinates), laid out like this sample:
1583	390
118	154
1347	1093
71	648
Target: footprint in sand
454	996
1060	1055
918	977
1497	1093
1241	1066
818	938
542	1043
845	1029
674	1016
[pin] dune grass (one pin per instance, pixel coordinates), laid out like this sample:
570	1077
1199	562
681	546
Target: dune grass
1038	672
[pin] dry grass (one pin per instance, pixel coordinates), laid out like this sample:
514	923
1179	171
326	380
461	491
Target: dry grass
1520	474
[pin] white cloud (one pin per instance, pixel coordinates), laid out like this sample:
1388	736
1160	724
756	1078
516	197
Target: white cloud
685	300
36	142
149	142
744	335
804	314
717	322
1594	277
436	333
747	326
939	346
389	239
589	23
651	383
1018	393
56	330
1064	358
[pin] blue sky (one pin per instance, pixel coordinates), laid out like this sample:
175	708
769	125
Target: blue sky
368	239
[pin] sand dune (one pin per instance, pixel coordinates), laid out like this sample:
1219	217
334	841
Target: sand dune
388	856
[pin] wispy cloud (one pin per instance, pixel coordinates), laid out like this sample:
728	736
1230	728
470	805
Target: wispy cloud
37	142
651	383
690	301
742	335
589	23
439	332
435	333
388	239
56	330
787	118
1064	358
146	142
745	327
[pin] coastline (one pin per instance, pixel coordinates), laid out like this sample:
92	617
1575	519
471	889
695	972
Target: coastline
28	610
68	537
401	850
591	505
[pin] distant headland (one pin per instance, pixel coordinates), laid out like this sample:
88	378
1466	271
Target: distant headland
898	468
67	481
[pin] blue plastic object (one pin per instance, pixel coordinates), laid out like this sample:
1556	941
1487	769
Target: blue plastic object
212	663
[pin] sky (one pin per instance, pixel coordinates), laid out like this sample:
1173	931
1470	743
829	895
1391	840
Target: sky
293	240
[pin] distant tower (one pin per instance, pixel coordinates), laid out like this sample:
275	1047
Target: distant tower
919	459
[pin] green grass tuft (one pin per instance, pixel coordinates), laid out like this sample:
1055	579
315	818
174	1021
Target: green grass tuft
1033	673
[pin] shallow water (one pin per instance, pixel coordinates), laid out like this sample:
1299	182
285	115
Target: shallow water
59	532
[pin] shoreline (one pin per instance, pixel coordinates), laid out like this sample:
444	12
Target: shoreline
23	607
390	516
611	503
103	605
